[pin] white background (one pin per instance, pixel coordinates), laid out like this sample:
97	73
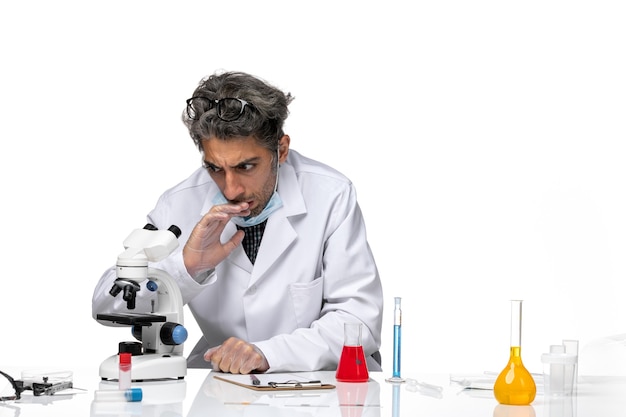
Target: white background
485	138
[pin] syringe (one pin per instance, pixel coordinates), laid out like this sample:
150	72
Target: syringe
397	339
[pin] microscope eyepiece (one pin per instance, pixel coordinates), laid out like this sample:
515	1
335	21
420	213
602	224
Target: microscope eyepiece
176	230
173	228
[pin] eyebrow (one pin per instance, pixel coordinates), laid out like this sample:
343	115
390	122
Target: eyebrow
238	164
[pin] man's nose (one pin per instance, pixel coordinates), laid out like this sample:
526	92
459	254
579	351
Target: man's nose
232	187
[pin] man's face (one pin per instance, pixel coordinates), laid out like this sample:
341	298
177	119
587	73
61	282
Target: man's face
242	169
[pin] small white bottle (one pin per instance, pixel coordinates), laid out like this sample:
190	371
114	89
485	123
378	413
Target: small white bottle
125	360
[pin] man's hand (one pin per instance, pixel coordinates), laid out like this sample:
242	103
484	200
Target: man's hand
237	357
203	250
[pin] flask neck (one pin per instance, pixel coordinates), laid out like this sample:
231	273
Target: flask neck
516	355
352	334
516	323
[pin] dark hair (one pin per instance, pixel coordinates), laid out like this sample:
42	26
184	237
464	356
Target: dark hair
263	118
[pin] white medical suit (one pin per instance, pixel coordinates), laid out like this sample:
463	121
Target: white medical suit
314	271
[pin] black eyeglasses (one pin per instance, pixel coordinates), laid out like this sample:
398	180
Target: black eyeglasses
228	109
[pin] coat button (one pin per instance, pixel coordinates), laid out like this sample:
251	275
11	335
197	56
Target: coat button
252	290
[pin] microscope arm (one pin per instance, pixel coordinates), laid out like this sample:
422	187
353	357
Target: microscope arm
169	297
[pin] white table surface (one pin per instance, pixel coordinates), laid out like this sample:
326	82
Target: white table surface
199	394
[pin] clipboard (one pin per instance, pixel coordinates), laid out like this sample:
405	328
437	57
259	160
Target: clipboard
274	382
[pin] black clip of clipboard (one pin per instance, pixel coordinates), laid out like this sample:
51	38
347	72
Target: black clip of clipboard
296	384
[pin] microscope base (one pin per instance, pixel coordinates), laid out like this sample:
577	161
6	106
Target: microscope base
146	367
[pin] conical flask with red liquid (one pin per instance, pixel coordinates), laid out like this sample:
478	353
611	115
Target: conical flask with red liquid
515	385
352	365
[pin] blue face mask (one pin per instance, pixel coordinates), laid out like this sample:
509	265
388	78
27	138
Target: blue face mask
274	204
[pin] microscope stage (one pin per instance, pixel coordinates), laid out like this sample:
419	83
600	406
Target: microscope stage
132	318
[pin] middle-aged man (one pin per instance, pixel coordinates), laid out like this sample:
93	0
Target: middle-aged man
276	257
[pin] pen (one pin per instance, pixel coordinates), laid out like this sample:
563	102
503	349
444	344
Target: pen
255	380
295	384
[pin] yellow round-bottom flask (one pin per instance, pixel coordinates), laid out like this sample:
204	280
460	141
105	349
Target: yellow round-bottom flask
515	385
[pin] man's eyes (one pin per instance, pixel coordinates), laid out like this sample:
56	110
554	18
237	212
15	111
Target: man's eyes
215	169
210	167
245	167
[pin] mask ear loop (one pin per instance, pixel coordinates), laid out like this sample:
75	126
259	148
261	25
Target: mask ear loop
277	167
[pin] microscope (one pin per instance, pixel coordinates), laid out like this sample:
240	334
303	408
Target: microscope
158	353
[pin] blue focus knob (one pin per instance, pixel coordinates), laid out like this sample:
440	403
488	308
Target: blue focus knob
152	286
173	333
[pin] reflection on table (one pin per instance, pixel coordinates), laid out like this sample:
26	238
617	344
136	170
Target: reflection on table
199	394
160	398
346	400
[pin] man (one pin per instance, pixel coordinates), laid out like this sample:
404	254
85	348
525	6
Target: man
276	258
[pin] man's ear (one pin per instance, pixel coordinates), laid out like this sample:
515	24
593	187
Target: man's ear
283	148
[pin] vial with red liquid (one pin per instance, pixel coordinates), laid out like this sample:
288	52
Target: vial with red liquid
352	364
125	363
